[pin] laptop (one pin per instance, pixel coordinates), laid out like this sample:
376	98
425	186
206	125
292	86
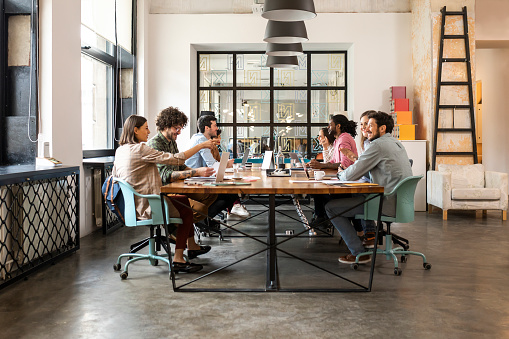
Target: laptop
220	170
245	157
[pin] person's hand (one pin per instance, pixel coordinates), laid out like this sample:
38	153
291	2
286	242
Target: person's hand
204	171
315	164
208	144
230	163
349	154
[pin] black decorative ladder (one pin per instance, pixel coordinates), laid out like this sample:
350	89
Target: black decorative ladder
441	83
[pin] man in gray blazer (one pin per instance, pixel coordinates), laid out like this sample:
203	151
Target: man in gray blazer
387	162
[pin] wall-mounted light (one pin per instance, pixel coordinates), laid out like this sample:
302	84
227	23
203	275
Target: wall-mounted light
282	32
284	49
289	10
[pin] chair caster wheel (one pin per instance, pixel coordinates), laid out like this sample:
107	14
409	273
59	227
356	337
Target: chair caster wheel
397	271
116	267
155	262
427	266
404	258
355	267
123	275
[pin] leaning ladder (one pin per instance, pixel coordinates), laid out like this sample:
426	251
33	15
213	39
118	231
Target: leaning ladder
440	83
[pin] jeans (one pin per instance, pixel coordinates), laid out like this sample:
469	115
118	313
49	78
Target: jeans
222	202
343	223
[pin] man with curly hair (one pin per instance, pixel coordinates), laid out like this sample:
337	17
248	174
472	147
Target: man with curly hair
170	122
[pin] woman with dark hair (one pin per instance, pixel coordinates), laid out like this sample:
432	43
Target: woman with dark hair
215	150
344	131
326	140
135	162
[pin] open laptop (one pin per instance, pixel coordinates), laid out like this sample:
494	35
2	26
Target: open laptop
245	157
220	170
305	167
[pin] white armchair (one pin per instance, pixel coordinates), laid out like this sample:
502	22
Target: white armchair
467	187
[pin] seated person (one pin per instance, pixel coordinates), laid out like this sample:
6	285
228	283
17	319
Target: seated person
327	141
344	131
135	163
387	162
207	125
368	226
170	122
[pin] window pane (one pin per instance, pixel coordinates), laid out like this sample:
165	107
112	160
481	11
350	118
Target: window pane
325	103
290	106
220	102
291	139
96	104
292	77
250	71
99	16
90	38
216	70
328	70
315	145
254	138
253	106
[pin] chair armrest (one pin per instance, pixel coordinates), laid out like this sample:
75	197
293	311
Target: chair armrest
438	189
498	180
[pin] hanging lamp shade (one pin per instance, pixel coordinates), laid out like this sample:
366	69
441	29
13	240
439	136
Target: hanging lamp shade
282	61
284	49
282	32
289	10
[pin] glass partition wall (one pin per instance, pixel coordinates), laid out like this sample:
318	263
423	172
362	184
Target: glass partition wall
262	108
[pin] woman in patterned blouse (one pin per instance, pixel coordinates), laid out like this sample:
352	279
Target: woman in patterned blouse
135	162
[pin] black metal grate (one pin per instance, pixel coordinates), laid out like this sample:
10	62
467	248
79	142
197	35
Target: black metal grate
39	221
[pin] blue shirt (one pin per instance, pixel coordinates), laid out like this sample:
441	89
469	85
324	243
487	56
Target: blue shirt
202	158
387	162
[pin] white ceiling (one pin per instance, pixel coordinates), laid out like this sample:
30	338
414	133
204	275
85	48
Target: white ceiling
245	6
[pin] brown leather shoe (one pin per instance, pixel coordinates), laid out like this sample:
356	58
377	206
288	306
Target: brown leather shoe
350	259
369	240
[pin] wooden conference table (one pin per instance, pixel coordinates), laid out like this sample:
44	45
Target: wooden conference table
273	186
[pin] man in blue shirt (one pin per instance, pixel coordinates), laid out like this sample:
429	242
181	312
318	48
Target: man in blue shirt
387	162
207	125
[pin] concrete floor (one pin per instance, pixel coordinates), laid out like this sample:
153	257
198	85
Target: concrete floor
462	296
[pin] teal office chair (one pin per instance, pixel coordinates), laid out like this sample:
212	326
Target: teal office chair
155	241
404	192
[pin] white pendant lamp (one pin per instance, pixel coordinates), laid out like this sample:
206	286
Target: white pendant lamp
289	10
282	61
282	32
284	49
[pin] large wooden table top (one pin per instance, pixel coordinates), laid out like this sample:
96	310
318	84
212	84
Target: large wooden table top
271	185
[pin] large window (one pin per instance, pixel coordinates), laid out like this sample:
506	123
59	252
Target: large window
108	74
263	108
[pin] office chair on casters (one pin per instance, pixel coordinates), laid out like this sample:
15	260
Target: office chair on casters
404	192
155	241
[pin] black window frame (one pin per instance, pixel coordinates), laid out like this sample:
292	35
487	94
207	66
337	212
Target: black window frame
118	59
272	125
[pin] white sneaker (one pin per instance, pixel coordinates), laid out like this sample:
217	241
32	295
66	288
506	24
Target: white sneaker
238	212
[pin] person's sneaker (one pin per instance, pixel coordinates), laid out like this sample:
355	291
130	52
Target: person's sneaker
320	222
369	240
238	212
350	259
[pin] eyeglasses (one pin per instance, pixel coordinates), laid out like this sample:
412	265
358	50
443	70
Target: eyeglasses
177	129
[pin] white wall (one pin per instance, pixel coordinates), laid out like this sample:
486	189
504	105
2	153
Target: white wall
60	89
493	70
379	56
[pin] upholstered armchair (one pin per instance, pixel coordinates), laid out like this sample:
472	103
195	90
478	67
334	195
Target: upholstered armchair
467	187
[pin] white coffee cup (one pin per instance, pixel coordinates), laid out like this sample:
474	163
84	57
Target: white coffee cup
319	175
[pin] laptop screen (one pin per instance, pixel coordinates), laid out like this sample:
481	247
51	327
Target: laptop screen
245	157
222	166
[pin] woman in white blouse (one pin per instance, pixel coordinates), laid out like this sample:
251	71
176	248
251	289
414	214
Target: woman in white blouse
135	162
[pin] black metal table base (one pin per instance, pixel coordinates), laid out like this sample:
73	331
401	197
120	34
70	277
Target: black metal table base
273	283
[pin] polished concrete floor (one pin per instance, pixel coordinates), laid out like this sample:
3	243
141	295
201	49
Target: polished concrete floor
463	295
